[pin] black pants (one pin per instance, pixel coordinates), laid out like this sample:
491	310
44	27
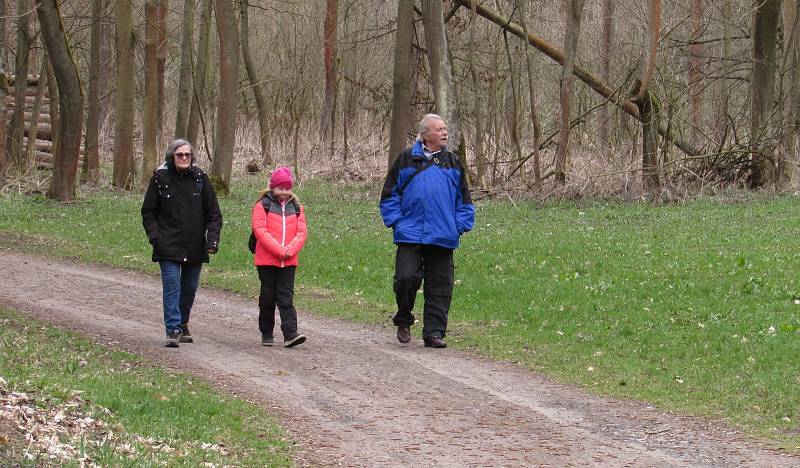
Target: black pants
277	287
413	264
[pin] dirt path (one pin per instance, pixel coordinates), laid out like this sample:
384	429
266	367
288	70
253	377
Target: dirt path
353	396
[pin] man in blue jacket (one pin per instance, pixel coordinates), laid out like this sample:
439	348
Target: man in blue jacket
426	201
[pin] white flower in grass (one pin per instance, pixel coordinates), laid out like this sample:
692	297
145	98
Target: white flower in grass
771	330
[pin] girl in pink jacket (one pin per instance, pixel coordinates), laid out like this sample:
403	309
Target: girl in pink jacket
279	225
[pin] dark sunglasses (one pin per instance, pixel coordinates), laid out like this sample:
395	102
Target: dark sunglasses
182	155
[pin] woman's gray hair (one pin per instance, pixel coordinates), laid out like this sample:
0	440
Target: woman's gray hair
175	145
423	124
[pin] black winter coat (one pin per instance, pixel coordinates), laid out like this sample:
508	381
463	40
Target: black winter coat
180	215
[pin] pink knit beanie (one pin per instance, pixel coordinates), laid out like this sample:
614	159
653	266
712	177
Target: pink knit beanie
281	177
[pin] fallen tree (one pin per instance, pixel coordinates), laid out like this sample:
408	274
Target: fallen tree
587	77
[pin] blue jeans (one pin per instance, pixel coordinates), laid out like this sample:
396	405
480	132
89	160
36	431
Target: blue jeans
179	282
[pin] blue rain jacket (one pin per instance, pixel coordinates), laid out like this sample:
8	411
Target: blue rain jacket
434	206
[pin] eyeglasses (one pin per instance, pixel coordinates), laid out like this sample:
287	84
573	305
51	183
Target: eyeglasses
182	155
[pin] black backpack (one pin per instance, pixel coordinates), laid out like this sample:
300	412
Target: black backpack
266	202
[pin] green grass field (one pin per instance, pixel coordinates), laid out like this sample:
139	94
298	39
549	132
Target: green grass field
154	417
693	307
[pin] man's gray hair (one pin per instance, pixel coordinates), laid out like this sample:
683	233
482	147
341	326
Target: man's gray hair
423	124
175	145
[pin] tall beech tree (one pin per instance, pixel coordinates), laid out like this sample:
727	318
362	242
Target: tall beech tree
155	56
228	98
766	18
124	171
16	128
91	144
70	94
185	80
3	93
646	101
200	75
401	80
328	112
444	90
256	86
574	13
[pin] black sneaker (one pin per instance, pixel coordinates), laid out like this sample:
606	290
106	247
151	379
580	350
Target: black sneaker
267	340
186	335
291	342
172	339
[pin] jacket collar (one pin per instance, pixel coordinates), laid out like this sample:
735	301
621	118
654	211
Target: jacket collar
418	150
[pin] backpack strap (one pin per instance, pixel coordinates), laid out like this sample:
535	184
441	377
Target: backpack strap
266	202
420	168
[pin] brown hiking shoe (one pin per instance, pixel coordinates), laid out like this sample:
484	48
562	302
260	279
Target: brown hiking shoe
186	335
172	339
403	333
434	342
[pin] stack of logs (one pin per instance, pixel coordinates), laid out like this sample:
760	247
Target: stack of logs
42	156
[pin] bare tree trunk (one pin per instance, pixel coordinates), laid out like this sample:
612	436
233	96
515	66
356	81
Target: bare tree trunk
91	148
16	128
647	102
444	89
537	126
603	127
573	29
512	103
36	110
199	93
162	10
762	85
4	37
401	80
3	121
124	172
150	108
695	71
480	157
65	162
494	121
155	60
256	86
790	76
53	94
648	108
350	74
185	81
649	59
328	114
721	83
227	103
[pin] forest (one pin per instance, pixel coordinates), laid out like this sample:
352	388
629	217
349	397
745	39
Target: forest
605	98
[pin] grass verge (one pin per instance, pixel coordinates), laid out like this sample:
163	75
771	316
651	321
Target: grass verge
693	307
94	405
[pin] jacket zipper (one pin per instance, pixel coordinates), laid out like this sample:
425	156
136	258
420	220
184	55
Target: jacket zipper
283	230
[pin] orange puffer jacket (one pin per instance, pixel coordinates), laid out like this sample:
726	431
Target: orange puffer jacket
278	232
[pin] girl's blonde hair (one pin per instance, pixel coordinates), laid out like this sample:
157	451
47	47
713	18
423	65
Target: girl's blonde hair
263	193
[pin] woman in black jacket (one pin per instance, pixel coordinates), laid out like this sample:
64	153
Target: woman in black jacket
182	220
